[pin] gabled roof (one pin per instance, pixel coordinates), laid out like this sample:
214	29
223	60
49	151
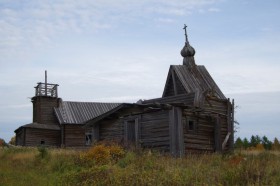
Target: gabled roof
79	112
182	79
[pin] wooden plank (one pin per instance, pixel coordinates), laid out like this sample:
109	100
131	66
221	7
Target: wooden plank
217	137
232	126
180	133
172	132
225	141
174	82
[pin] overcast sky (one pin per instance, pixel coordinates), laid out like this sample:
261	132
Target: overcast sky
121	50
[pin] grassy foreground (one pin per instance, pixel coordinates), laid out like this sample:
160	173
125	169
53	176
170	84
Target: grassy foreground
113	166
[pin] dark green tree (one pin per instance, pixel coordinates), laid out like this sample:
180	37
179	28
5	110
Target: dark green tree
238	143
253	141
276	144
266	143
246	143
258	139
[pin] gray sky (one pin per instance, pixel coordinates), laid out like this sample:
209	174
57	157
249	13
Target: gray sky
121	50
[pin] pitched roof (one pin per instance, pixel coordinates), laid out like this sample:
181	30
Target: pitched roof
187	99
166	103
39	126
79	112
182	79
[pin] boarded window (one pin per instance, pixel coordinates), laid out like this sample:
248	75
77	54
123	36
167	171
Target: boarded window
88	139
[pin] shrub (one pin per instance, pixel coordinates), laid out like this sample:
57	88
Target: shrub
116	152
43	152
103	154
13	140
2	143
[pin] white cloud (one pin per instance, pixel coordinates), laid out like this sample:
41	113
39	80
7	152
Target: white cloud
35	23
214	10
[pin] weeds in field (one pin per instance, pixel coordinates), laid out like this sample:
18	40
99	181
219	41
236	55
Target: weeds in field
111	165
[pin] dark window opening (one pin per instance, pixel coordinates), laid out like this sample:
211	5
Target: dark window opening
42	142
88	139
191	125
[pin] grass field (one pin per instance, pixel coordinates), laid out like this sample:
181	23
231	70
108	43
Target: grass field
114	166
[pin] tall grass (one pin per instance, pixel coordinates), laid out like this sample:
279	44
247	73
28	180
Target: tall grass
111	165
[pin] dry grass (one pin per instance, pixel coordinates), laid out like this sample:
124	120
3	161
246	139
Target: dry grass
26	166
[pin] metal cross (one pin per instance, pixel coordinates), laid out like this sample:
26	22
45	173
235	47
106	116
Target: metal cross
185	28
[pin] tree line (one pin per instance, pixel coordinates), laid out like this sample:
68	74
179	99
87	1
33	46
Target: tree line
257	142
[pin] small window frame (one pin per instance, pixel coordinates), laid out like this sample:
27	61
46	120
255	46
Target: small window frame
88	139
191	125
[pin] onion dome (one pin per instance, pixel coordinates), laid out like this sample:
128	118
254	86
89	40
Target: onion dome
188	50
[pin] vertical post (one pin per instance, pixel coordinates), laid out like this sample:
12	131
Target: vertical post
180	133
136	132
176	133
218	144
46	93
174	82
232	124
172	132
62	137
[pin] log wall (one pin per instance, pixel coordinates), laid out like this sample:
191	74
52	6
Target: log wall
212	127
154	130
20	137
221	108
35	137
111	130
43	109
201	138
74	135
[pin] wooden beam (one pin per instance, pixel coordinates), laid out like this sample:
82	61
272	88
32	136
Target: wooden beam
225	141
232	125
176	132
46	86
172	132
174	83
217	134
180	133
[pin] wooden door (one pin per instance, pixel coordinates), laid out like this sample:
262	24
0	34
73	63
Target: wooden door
131	132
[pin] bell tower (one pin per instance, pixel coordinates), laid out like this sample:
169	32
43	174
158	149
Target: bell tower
44	102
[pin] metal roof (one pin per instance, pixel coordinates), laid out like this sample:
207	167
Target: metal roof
79	112
194	79
39	126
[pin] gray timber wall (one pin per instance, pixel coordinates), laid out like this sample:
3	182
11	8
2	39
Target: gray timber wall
43	109
111	130
201	138
154	130
73	135
211	127
20	136
35	136
220	108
